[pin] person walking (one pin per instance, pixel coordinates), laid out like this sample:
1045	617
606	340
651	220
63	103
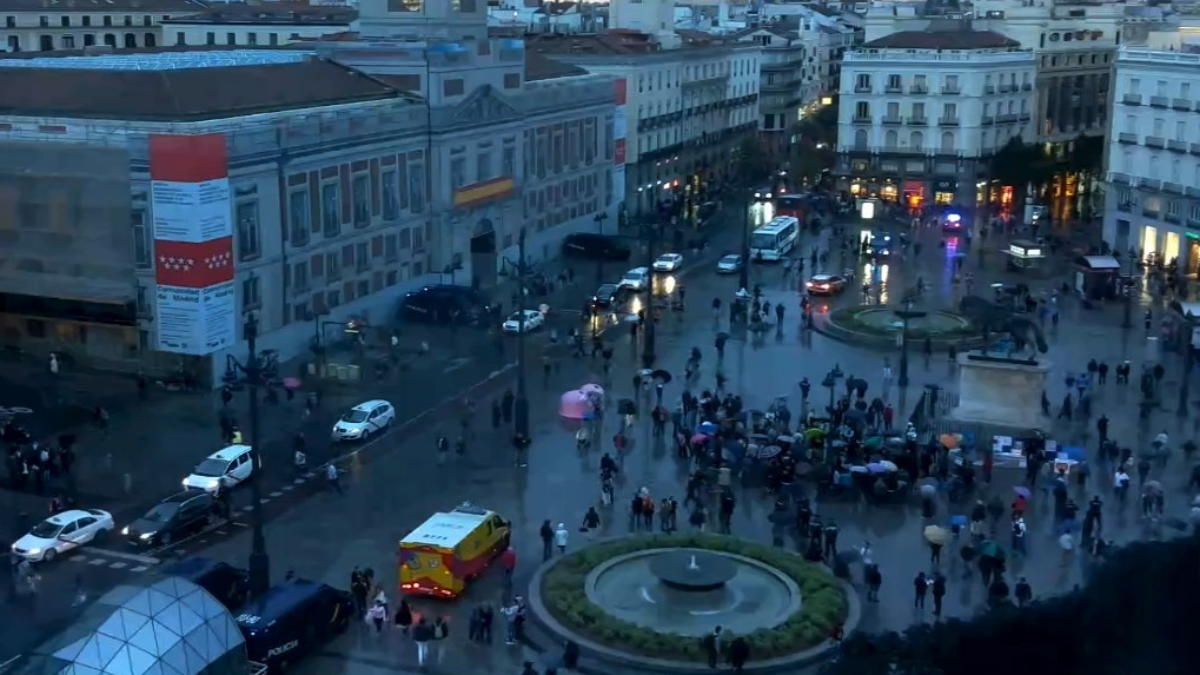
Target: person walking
422	635
591	522
440	631
332	475
939	592
920	588
874	579
403	618
560	538
377	615
1023	592
547	534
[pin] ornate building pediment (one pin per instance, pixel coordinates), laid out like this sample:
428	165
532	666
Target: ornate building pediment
484	105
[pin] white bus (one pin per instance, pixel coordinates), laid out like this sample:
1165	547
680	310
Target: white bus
774	240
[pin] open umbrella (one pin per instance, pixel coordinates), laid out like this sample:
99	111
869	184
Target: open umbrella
859	468
661	375
876	467
699	439
949	441
592	388
889	465
959	520
937	535
292	383
873	443
1071	452
928	490
814	434
707	428
993	550
768	451
1022	491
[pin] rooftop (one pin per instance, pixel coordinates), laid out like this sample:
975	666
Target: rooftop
943	40
180	86
282	13
146	6
614	42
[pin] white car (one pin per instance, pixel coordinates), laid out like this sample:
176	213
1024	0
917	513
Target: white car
636	279
62	532
533	320
668	262
224	469
364	420
729	264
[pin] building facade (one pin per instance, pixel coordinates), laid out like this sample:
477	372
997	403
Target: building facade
790	77
33	25
344	191
1152	206
921	113
269	24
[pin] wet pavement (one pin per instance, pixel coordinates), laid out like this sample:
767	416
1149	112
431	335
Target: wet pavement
396	483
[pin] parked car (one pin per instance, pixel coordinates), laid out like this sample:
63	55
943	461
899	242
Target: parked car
668	262
364	420
533	320
636	279
63	532
225	468
730	263
593	246
445	304
172	519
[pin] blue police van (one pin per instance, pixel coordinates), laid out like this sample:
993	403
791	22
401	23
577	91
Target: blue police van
292	619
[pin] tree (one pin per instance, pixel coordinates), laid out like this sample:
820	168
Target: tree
1020	165
751	162
1136	615
1086	155
814	140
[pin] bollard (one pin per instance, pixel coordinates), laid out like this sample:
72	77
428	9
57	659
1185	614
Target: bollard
128	483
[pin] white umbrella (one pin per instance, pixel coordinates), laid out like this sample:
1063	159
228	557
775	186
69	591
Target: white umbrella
928	490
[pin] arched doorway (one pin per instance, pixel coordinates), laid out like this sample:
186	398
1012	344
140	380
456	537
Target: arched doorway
483	254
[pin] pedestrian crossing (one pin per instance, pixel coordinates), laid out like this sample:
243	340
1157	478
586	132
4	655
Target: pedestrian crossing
113	560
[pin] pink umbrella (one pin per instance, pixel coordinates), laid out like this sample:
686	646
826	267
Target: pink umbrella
574	405
699	439
292	383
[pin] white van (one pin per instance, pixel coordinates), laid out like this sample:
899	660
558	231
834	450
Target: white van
636	279
224	468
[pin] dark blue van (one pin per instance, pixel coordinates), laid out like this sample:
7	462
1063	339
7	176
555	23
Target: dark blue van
292	619
228	584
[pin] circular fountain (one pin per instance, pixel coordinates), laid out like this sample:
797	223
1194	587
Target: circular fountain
691	591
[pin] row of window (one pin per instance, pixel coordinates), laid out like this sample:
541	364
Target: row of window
1056	60
989	140
456	6
552	149
694	99
1183	89
46	42
210	38
864	81
949	111
65	21
668	79
322	269
1153	164
1154	204
1159	128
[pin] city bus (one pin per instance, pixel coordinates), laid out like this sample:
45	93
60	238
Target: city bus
774	240
790	205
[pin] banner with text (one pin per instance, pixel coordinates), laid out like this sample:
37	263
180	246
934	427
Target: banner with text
193	244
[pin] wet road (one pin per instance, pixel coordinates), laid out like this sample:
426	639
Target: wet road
396	483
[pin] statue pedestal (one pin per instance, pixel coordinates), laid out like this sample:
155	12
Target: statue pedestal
996	390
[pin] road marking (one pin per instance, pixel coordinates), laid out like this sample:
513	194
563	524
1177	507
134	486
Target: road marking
247	509
456	364
299	481
288	487
97	561
129	557
139	568
118	565
239	524
277	493
77	558
264	500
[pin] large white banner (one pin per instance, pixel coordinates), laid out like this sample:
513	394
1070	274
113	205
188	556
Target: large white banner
193	244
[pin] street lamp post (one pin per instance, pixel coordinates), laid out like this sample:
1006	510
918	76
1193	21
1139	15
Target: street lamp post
256	372
1127	291
600	218
648	337
744	272
1189	353
905	315
521	407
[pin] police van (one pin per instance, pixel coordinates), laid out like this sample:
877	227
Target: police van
293	618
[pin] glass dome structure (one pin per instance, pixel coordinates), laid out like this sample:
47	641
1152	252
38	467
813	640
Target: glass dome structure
169	627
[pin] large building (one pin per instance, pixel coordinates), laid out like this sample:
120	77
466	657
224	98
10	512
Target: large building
150	201
45	25
921	113
233	24
689	100
1153	200
791	81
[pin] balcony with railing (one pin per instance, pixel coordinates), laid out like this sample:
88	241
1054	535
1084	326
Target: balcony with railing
1156	142
1127	138
1118	177
1182	104
1176	188
862	88
1007	88
861	119
1132	99
1194	148
1192	191
1153	184
893	119
1027	86
918	120
987	120
1006	118
951	90
918	89
1150	213
893	89
1125	207
989	88
1159	101
947	121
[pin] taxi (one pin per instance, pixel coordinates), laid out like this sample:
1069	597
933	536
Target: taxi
449	550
